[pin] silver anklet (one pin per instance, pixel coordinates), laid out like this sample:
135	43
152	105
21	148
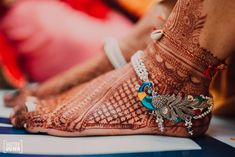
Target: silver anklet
114	53
176	108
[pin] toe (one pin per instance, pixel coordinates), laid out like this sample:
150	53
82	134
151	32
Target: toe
10	96
16	99
25	115
18	118
31	121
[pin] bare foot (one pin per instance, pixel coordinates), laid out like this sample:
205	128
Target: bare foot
137	39
109	104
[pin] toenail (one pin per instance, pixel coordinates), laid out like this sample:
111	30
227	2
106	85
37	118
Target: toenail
25	125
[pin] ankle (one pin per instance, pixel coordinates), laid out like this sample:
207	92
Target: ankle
176	71
175	74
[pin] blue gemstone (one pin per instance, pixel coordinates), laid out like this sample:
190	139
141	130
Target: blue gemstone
177	120
199	98
190	129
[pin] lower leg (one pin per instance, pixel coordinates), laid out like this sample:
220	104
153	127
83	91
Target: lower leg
218	34
136	39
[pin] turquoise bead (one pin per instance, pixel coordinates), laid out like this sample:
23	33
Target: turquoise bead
177	120
199	98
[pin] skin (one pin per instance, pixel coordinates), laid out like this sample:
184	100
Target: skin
220	39
108	105
135	40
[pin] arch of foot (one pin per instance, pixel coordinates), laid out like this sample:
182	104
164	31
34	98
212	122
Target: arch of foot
119	108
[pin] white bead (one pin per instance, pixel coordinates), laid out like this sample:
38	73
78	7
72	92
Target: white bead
203	96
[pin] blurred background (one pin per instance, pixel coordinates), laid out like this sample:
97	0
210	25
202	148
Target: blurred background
42	38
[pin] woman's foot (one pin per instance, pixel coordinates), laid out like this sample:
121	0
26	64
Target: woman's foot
109	104
136	39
